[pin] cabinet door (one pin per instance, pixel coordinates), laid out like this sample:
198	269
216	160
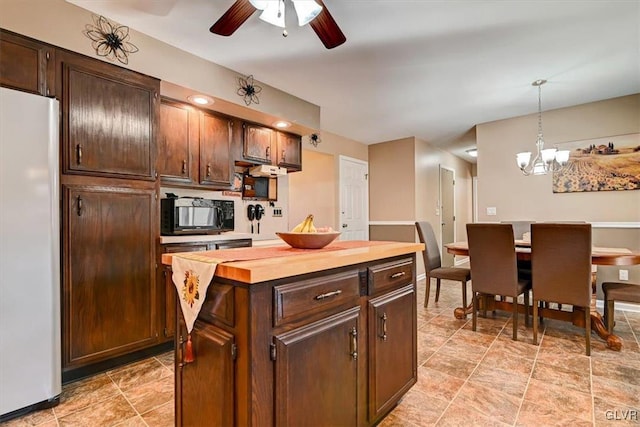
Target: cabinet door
392	349
257	143
316	372
170	289
213	404
215	150
289	151
178	142
109	290
109	116
26	64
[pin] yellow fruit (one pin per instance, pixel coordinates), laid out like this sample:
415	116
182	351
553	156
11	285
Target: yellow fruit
300	228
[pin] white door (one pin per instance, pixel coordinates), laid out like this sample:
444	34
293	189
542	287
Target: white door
354	199
447	213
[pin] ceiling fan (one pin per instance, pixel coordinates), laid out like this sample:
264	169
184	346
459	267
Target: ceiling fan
314	13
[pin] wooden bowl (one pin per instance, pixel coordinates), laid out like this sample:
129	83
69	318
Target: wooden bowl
309	240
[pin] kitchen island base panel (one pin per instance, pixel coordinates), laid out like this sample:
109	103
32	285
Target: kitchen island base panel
281	365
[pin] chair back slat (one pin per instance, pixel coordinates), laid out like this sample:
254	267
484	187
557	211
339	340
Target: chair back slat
492	256
561	262
431	253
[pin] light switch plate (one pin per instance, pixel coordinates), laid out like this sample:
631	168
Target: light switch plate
277	211
623	274
491	211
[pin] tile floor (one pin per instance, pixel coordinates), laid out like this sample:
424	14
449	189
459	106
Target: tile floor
465	378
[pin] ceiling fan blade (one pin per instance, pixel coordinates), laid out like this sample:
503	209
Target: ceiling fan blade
327	29
235	16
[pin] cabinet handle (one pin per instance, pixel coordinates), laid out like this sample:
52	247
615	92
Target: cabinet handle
184	167
267	153
354	343
327	295
79	153
79	206
208	170
284	158
384	326
399	274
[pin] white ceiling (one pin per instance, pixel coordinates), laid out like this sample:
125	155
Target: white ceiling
424	68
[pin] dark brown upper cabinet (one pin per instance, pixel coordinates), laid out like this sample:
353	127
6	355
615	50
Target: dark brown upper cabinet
194	146
289	152
109	118
178	143
265	145
258	143
216	165
26	64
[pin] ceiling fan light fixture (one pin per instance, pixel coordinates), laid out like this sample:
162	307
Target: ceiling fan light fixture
273	13
307	11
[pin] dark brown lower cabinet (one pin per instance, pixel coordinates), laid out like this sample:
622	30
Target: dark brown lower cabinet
316	372
391	334
329	348
109	286
211	403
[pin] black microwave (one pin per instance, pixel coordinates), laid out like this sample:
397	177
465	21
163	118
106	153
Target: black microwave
194	215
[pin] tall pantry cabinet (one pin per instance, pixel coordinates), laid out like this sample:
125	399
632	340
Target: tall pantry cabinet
110	210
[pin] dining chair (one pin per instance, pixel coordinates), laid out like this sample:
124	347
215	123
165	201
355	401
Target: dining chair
494	268
615	291
561	269
433	264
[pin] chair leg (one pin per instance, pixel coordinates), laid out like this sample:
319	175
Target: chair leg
587	328
464	297
427	291
534	304
515	318
474	314
526	308
609	310
437	289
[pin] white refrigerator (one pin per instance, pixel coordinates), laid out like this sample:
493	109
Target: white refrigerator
30	365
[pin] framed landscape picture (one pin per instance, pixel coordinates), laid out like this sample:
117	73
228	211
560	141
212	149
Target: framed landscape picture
601	164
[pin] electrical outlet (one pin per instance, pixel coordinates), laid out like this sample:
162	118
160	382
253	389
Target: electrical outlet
623	274
277	211
491	211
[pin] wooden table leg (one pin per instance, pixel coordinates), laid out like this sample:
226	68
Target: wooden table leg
597	323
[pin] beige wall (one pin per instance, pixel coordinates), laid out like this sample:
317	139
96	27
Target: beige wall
392	181
404	188
502	185
312	191
61	24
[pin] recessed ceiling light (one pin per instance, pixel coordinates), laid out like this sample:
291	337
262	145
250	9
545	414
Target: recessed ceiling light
200	99
281	124
473	152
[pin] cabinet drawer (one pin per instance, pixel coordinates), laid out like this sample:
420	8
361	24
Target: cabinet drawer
390	275
294	301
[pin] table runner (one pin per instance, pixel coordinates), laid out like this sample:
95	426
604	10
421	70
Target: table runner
193	272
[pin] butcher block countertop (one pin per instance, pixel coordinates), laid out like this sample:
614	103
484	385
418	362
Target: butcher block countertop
260	264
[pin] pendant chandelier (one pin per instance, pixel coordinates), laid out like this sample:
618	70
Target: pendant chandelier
546	160
273	11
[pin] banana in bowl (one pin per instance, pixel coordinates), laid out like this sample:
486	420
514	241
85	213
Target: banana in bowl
306	236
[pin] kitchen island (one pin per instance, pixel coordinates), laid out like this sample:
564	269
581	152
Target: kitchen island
292	337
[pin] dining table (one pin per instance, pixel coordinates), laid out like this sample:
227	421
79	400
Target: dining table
599	256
